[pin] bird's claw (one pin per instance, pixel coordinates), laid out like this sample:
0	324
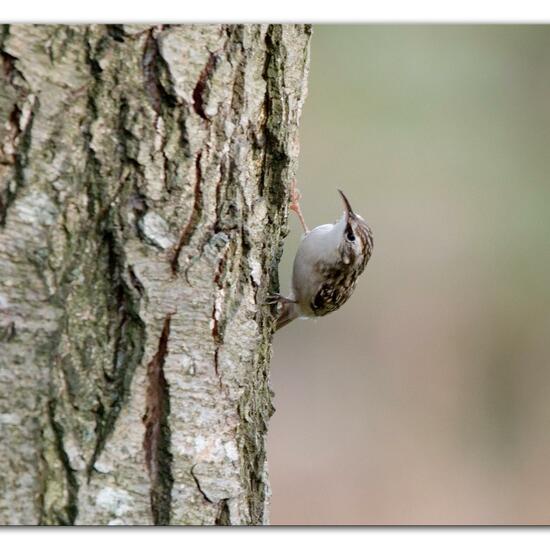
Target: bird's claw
275	298
294	205
295	197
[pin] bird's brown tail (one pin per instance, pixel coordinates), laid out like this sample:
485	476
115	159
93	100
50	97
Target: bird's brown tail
289	311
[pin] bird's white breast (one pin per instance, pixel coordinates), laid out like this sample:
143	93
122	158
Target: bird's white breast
320	245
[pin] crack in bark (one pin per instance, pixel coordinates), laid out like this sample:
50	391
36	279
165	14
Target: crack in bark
211	231
218	321
223	170
223	517
217	329
150	71
128	337
194	219
201	87
116	32
276	160
122	304
266	108
197	483
156	441
136	283
71	507
151	64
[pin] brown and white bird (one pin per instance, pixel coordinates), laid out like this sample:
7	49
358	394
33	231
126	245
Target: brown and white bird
327	264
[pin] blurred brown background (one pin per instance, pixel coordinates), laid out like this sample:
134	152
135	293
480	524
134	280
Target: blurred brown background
426	398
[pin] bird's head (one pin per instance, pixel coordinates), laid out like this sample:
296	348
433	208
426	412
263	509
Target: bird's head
356	239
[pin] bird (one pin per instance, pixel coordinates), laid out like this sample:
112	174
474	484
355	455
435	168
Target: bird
327	264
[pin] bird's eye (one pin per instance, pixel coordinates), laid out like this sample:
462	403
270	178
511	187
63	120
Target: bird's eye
349	234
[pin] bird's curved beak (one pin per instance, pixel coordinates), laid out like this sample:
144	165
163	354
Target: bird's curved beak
349	211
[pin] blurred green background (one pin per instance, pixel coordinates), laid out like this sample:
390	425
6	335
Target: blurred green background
426	398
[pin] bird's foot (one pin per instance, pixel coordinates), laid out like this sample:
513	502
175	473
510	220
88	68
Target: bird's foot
295	197
276	298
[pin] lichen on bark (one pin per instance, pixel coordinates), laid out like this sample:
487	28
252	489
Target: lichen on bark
144	176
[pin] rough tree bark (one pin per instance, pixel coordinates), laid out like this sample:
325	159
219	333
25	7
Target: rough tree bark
144	176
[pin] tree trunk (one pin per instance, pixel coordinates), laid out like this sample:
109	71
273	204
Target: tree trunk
144	176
